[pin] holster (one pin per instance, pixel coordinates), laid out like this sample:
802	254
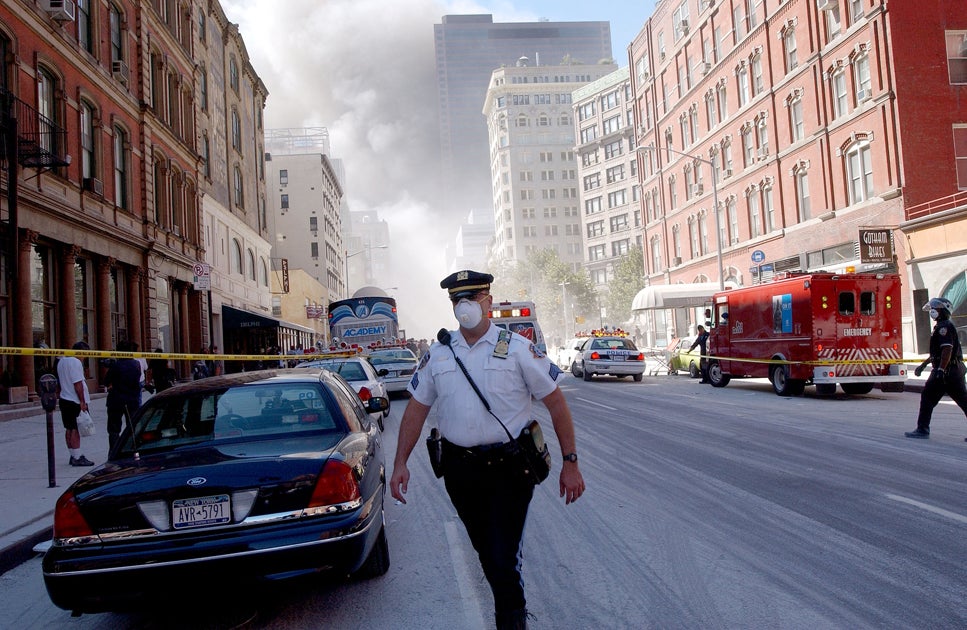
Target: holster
434	448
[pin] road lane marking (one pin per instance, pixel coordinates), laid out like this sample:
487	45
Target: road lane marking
456	541
596	404
960	518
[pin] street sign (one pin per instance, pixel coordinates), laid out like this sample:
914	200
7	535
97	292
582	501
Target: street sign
203	276
758	256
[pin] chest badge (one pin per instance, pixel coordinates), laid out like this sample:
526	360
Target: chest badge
503	344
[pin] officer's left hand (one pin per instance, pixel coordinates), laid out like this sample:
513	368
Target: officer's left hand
938	374
572	482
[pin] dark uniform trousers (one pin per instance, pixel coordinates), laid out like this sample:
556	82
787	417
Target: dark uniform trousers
491	496
952	385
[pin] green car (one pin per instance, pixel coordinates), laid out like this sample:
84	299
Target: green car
683	360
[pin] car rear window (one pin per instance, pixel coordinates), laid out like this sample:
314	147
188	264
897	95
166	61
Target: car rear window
613	344
236	412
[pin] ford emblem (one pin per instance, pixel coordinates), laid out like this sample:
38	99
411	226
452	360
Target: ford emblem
197	481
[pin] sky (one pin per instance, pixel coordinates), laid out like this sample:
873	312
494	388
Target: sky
365	70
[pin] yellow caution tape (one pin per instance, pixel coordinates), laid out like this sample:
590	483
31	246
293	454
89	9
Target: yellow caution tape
114	354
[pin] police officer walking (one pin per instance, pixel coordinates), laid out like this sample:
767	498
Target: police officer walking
947	359
488	490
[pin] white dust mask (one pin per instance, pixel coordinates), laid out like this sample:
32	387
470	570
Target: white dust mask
468	313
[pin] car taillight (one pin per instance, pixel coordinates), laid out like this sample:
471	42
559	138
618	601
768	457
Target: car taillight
68	520
595	356
365	394
336	484
640	357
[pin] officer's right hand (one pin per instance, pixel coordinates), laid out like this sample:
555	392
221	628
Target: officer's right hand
919	370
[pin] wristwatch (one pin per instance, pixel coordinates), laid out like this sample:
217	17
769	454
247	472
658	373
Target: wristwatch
570	457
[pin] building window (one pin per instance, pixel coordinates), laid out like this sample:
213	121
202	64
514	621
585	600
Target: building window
748	147
236	257
677	241
840	102
743	81
855	11
796	120
206	156
117	35
723	103
861	77
313	224
314	250
732	221
47	111
250	264
233	73
758	82
789	43
859	170
85	36
755	219
88	154
762	130
693	238
120	168
239	199
236	131
769	210
203	86
284	177
960	155
711	112
263	273
802	194
957	57
284	203
833	22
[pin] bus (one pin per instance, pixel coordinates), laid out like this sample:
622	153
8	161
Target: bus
363	319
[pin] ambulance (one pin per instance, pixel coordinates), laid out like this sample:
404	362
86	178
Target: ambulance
521	318
819	329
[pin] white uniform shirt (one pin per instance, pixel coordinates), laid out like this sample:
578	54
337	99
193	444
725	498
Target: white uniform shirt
69	371
508	384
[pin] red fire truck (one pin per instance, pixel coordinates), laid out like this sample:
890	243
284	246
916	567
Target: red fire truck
811	328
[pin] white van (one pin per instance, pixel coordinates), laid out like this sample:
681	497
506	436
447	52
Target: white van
521	318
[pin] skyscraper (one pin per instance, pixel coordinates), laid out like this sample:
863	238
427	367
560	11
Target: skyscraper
468	49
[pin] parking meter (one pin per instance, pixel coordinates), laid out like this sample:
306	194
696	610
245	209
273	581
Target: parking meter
48	392
48	400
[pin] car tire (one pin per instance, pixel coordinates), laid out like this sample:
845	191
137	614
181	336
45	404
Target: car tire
637	377
575	372
693	370
586	374
377	562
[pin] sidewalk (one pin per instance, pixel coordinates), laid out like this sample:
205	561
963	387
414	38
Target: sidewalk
27	501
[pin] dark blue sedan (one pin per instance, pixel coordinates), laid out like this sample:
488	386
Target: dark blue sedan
232	478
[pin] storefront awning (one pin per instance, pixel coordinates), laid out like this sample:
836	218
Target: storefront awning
660	296
237	318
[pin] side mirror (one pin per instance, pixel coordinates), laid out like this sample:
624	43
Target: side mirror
48	392
377	404
382	372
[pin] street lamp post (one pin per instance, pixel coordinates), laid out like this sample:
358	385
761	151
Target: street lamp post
715	202
348	256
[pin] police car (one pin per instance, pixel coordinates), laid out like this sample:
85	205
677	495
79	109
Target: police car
614	355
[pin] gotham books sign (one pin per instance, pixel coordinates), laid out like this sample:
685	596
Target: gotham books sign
876	246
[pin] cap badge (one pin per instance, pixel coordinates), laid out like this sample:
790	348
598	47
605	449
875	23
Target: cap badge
462	275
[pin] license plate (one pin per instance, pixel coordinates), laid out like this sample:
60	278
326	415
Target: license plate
392	374
200	511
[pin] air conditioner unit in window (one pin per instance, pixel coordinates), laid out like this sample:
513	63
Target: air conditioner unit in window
119	70
763	153
683	25
60	10
826	5
862	95
661	55
706	68
728	172
94	185
698	189
676	261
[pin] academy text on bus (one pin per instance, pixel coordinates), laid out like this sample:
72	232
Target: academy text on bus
363	320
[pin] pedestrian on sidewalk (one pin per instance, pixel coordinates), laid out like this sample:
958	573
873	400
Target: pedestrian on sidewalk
947	359
74	398
123	382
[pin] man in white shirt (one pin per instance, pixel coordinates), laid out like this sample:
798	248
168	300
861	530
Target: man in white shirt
74	398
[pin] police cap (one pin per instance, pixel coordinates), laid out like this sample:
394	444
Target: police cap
466	283
939	303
